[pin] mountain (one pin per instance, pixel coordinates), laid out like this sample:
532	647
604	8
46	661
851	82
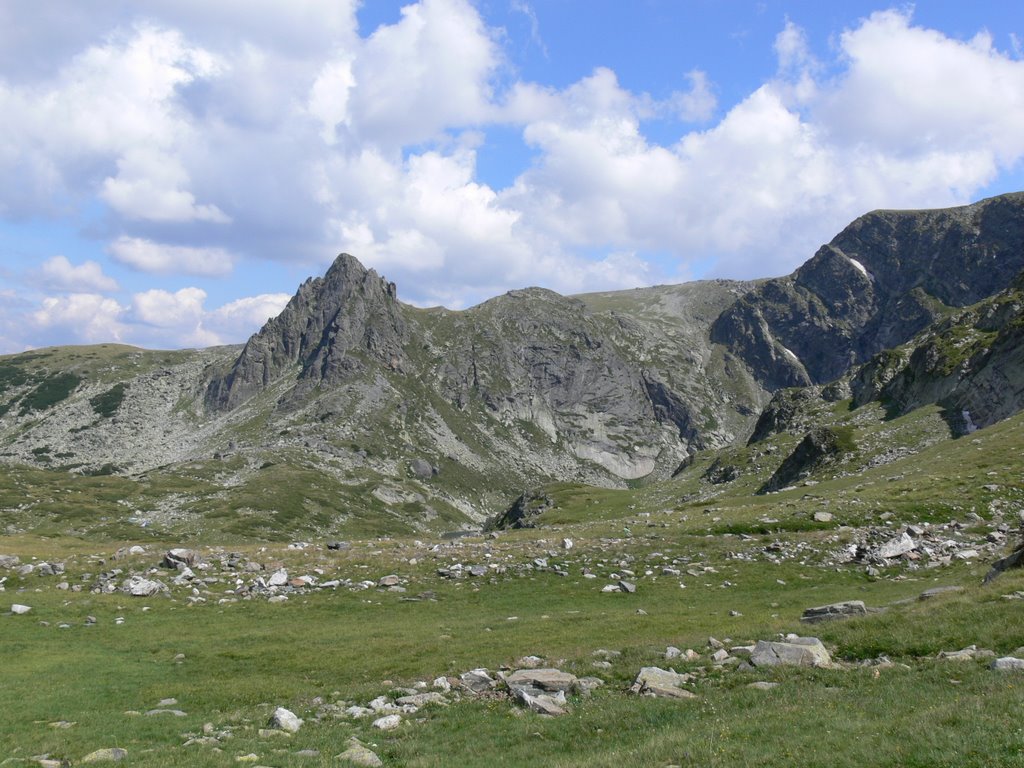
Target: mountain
352	408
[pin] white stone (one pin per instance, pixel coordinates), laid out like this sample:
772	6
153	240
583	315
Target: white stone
286	720
388	723
19	610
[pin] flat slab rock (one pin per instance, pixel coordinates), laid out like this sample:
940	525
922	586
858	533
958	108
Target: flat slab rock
795	651
832	611
1007	664
664	683
357	754
553	680
108	755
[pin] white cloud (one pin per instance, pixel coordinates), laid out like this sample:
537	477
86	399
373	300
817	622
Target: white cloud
275	131
159	258
239	319
58	272
85	317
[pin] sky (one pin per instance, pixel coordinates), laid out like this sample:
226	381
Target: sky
171	171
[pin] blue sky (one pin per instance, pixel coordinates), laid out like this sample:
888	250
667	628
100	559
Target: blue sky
171	171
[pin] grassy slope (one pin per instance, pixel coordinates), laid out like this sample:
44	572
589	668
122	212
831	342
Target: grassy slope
242	659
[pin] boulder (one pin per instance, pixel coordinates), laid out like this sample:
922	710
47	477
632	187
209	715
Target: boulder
541	703
654	681
388	722
896	547
842	610
107	755
20	610
357	754
9	561
477	681
1007	664
285	720
551	680
139	586
179	558
795	651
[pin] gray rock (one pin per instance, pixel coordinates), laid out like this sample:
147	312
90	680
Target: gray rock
1007	664
388	581
477	681
552	680
422	699
842	610
107	755
422	469
654	681
762	685
357	754
541	703
627	586
896	547
285	720
796	651
928	594
179	558
388	722
823	517
20	610
9	561
139	586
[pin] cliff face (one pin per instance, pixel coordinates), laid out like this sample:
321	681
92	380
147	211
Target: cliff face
881	281
329	329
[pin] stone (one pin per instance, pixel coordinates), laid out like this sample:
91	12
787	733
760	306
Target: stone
671	652
928	594
278	578
139	586
823	517
720	655
107	755
421	699
762	685
357	754
1007	664
552	680
388	722
388	581
175	712
20	610
541	703
896	547
422	469
832	611
477	681
9	561
795	651
654	681
627	586
285	720
567	544
179	558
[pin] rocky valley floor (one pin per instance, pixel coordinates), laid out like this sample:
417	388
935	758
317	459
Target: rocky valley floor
663	627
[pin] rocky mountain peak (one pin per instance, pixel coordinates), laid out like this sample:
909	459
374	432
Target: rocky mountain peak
329	327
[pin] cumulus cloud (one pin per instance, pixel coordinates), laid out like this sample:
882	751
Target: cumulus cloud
84	317
58	272
215	134
159	258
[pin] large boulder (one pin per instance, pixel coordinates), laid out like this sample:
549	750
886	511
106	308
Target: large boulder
834	611
795	651
664	683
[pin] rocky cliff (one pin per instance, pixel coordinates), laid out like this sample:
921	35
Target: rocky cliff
881	281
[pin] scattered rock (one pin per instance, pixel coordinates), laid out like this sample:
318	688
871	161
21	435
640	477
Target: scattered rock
180	558
285	720
823	517
139	586
842	610
552	680
477	681
795	651
896	547
654	681
388	722
928	594
357	754
109	754
1007	664
20	610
